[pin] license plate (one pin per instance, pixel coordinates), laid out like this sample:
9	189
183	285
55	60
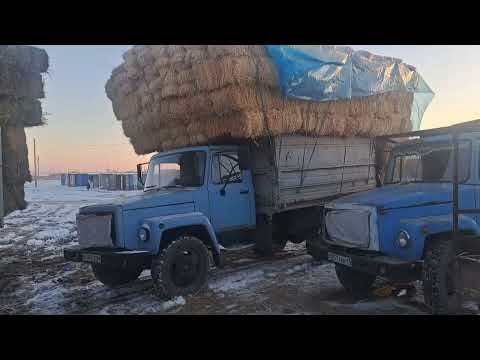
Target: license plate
92	258
339	259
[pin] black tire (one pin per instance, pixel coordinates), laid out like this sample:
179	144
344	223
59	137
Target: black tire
112	276
181	268
357	283
441	277
269	238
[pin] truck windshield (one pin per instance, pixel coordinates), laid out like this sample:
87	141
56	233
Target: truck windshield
429	163
183	169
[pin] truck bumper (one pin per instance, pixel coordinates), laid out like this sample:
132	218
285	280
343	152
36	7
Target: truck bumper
371	263
117	257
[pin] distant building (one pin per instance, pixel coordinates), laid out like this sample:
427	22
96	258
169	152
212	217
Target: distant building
104	181
75	179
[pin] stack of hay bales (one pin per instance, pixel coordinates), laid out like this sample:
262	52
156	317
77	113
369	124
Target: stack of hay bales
170	96
21	87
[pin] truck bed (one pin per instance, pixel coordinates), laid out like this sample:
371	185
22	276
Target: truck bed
299	171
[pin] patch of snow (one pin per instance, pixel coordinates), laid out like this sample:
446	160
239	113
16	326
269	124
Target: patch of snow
30	227
53	191
53	233
178	301
5	239
238	247
297	268
8	259
15	218
48	298
295	247
470	305
237	281
7	246
35	242
50	257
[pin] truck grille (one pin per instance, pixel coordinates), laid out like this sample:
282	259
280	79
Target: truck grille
95	230
348	227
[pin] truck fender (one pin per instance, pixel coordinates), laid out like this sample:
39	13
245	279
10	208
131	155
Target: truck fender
426	227
162	224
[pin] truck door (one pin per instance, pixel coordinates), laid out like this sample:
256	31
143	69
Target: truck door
230	193
468	190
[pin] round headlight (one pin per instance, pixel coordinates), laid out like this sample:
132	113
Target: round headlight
403	239
143	234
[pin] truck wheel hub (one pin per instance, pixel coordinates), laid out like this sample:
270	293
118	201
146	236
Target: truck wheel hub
185	268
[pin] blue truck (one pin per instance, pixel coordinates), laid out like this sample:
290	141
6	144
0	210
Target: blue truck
198	201
417	222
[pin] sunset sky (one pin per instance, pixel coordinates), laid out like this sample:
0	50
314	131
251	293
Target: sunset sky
82	133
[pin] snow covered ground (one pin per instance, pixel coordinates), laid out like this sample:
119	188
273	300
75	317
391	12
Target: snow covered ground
34	278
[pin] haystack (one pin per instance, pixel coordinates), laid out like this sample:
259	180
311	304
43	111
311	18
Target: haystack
21	85
170	96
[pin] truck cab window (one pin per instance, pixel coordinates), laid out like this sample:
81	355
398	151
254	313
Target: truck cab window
226	168
431	163
176	170
407	168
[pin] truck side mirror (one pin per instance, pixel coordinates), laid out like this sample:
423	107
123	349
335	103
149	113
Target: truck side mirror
244	158
139	174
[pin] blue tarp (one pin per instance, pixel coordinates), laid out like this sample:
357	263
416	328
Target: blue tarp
328	73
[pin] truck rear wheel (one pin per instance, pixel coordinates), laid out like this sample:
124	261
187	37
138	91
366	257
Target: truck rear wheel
355	282
269	237
441	277
181	268
112	276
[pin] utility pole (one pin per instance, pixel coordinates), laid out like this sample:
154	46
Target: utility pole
2	206
35	162
38	166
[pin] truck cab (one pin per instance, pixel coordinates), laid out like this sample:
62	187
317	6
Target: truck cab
195	200
405	228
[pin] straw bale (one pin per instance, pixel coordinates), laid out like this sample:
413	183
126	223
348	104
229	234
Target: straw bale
20	84
258	112
25	112
24	58
16	170
185	95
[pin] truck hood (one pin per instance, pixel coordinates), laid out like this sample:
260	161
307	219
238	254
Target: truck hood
157	198
401	195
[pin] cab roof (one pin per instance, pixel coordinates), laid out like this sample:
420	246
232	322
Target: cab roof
445	132
206	148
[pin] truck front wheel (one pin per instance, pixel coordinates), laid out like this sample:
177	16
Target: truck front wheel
441	277
181	268
355	282
112	276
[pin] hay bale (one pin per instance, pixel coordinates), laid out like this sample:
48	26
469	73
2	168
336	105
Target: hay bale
24	58
24	112
21	85
15	166
170	96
